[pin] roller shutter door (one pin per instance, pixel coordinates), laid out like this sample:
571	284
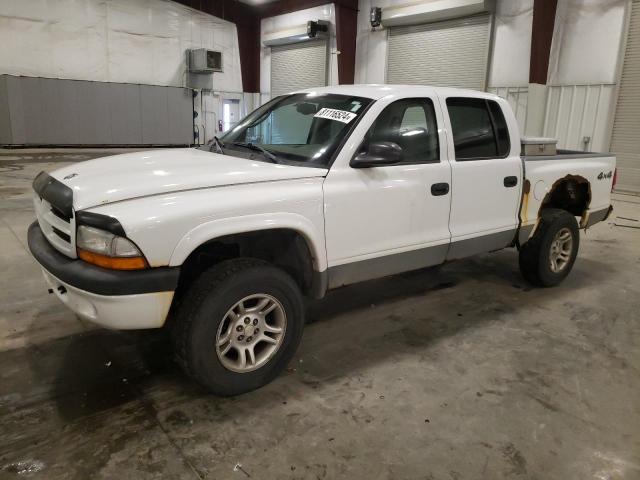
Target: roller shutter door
451	53
298	66
625	141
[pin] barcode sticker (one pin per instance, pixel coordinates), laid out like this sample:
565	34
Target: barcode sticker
337	115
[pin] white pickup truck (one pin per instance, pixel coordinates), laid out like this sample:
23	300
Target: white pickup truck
312	191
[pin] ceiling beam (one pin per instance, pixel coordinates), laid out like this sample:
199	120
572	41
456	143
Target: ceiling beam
230	10
280	7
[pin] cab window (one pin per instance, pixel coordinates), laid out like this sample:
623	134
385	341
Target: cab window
410	123
479	129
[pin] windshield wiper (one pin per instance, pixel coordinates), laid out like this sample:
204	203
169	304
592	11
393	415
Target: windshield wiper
258	148
218	143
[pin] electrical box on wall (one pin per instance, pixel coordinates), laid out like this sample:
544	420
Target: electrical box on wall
203	60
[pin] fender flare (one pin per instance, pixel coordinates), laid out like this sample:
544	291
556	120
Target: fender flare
208	231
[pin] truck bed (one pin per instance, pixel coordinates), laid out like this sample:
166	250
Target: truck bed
566	155
590	175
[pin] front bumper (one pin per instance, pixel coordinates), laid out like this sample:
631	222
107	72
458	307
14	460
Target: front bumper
114	299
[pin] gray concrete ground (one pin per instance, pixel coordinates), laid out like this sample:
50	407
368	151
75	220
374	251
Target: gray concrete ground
471	374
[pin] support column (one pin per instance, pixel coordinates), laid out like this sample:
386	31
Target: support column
346	30
249	46
544	16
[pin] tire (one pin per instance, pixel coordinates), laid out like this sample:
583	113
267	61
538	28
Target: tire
537	254
211	307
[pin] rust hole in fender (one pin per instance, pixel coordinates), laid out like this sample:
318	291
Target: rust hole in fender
571	193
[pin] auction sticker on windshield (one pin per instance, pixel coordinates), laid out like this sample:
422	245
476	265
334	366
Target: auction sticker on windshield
333	114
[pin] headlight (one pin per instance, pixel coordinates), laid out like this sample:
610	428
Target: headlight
107	250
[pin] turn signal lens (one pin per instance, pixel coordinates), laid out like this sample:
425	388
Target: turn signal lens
114	263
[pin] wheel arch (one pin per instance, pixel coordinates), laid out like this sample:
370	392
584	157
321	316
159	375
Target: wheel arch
288	241
571	193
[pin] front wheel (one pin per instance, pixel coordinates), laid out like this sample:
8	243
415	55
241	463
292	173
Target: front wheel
238	326
548	257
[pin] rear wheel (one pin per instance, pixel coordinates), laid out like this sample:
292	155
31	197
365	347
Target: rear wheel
238	326
548	257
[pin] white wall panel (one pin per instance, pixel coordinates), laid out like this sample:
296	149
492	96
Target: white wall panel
512	43
129	41
574	112
586	41
371	46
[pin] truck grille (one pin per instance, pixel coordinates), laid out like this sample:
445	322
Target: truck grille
57	222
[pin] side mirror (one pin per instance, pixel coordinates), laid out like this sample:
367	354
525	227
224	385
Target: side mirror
378	155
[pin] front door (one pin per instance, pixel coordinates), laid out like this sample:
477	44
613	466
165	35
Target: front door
486	177
388	219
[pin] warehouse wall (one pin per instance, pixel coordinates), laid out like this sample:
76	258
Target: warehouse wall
289	20
128	41
586	41
583	71
510	51
47	111
586	55
512	43
105	48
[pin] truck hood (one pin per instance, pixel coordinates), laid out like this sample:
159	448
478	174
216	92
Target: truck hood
154	172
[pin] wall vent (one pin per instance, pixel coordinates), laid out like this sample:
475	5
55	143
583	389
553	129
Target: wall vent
203	60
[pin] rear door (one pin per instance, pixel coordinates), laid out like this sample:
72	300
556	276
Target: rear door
486	171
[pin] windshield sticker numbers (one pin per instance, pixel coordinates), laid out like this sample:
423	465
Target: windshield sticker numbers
337	115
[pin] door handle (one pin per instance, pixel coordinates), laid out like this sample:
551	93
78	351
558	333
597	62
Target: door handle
510	181
439	189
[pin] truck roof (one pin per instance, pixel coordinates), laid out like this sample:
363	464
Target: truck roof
377	91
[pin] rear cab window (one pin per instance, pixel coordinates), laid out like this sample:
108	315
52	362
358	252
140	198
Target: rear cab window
479	129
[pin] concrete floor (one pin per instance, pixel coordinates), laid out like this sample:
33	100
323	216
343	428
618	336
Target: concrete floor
468	375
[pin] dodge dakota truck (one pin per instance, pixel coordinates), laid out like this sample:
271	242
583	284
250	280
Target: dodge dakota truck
312	191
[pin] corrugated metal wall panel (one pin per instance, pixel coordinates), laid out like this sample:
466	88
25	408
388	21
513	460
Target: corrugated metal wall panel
46	111
92	113
298	66
126	120
518	98
155	124
625	140
5	119
16	114
180	118
578	116
451	53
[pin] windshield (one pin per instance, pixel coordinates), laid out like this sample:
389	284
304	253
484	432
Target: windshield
301	128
